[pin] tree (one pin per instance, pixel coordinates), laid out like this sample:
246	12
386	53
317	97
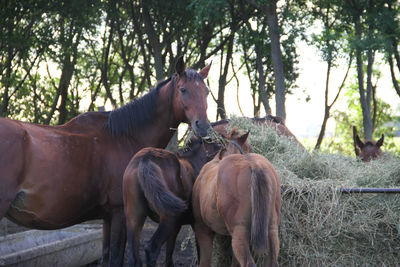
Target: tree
274	34
330	42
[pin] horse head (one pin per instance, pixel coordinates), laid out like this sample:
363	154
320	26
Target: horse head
237	142
190	97
367	150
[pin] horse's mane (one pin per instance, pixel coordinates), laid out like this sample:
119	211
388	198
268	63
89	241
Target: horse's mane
127	119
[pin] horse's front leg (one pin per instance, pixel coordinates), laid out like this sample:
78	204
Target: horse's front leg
117	238
105	257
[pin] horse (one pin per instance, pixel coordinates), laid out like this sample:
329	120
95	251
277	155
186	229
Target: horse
368	150
275	122
238	194
158	184
56	176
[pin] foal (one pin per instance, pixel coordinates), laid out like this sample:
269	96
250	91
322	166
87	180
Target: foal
368	150
238	194
158	184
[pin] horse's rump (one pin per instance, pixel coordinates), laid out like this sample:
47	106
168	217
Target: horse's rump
156	191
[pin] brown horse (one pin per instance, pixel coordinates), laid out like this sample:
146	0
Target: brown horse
238	195
56	176
275	122
367	150
158	184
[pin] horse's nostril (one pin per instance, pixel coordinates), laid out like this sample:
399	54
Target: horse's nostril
197	123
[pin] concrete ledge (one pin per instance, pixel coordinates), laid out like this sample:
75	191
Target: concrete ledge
73	246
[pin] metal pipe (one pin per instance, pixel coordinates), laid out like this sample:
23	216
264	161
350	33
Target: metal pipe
369	190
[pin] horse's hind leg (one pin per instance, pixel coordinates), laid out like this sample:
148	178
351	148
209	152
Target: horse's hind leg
134	227
171	246
273	247
240	246
204	238
165	230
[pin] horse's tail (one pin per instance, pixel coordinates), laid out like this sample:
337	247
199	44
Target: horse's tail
259	211
156	191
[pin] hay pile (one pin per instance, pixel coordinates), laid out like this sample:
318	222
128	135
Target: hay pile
320	227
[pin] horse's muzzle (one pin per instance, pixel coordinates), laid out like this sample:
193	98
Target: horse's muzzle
201	127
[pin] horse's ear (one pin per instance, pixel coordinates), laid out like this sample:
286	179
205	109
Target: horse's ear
357	140
243	138
379	143
180	66
204	71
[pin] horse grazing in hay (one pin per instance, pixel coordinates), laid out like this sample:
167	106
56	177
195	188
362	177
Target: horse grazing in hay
52	177
367	150
238	194
158	183
275	122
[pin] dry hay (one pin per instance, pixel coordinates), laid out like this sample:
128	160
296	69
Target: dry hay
319	226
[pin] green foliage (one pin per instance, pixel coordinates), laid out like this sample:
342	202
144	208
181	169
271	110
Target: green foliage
385	123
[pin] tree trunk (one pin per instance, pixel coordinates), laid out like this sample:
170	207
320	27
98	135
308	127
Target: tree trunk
328	107
154	41
222	81
393	75
360	76
7	79
276	56
261	80
368	125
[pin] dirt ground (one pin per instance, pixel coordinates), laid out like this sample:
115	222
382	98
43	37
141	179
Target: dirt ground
182	257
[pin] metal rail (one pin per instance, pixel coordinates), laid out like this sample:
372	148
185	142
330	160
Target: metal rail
369	190
356	190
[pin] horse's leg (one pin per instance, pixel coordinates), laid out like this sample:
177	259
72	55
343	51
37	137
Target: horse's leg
273	237
134	227
240	246
204	237
117	238
106	242
235	262
165	229
197	245
171	246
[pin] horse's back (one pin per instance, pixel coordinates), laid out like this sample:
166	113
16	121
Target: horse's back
51	170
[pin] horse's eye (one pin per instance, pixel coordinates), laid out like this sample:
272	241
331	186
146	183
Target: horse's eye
183	90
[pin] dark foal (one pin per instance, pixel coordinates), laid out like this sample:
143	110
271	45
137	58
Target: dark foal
368	150
238	194
158	184
52	177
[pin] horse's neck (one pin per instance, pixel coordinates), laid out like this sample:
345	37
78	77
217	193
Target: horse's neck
160	131
196	163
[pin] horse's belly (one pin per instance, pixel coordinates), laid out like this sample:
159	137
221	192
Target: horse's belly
30	211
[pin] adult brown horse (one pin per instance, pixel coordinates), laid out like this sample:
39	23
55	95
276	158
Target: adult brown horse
367	150
56	176
275	122
238	195
158	184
